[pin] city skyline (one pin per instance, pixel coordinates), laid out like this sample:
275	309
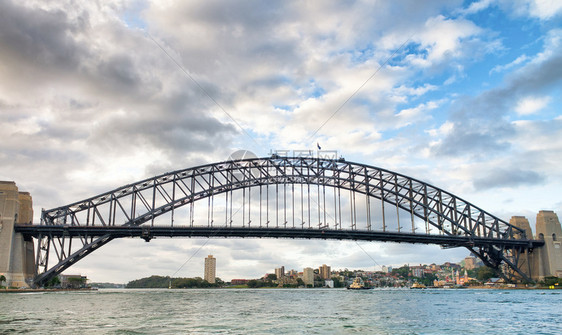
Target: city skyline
464	95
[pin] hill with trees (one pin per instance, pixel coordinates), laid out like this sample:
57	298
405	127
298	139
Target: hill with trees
165	282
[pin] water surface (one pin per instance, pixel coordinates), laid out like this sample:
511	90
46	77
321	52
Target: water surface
286	311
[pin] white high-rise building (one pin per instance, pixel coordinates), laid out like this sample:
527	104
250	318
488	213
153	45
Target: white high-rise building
210	269
308	276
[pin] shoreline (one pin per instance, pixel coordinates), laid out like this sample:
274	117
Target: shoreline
33	290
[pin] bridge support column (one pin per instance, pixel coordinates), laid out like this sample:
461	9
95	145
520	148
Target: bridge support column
543	261
549	230
527	259
17	262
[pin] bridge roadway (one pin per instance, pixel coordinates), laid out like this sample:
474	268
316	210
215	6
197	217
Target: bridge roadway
149	232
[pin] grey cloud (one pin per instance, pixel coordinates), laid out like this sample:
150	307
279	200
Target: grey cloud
508	178
477	141
188	132
38	38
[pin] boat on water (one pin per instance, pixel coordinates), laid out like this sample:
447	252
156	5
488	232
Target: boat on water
417	286
358	285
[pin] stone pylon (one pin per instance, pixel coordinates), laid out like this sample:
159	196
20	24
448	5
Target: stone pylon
17	256
547	260
549	230
528	261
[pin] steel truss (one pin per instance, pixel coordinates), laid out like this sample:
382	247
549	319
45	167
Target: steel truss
93	222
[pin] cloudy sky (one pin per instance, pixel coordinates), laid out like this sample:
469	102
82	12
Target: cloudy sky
97	94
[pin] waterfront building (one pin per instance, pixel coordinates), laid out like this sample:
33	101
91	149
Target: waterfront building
239	281
325	272
308	276
280	272
210	269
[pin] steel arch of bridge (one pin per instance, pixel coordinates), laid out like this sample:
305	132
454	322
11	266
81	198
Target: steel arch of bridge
132	209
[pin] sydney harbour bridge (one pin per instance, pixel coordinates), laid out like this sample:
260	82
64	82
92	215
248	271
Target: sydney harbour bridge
281	196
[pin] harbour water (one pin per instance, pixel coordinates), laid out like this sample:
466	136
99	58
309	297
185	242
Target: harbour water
285	311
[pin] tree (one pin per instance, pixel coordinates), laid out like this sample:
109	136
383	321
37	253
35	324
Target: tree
552	281
54	282
76	282
300	282
403	271
2	279
337	282
272	276
428	279
485	273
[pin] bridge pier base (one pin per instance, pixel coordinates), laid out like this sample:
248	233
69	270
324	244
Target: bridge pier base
17	256
543	261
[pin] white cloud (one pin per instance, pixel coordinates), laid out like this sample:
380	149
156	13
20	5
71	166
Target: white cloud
540	9
443	39
545	9
418	113
501	68
531	105
478	6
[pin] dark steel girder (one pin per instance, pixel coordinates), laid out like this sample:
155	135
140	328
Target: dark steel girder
148	232
136	204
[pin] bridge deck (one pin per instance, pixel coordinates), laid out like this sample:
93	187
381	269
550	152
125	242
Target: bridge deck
148	233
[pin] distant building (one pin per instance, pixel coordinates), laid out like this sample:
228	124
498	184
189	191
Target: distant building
470	263
329	283
325	272
417	271
210	269
73	281
280	272
308	276
239	281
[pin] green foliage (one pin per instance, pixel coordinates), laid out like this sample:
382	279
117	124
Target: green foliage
164	282
403	272
149	282
271	276
54	282
485	273
337	282
2	278
552	281
347	273
473	273
427	279
256	283
300	282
